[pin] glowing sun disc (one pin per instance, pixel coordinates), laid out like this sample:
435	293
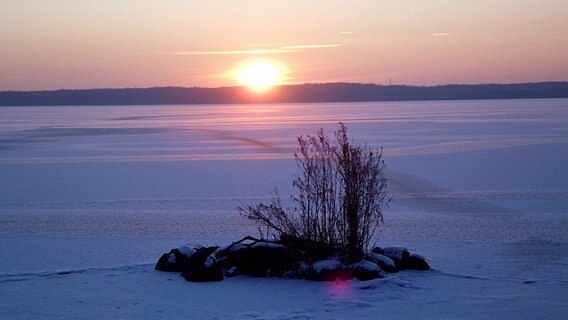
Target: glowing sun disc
260	75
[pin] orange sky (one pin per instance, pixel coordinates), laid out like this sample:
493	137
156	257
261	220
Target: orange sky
140	43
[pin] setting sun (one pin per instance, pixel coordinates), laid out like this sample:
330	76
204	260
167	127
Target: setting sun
260	75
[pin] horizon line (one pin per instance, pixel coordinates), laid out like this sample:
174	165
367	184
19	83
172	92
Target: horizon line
290	85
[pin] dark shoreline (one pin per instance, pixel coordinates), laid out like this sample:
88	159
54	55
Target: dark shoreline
304	93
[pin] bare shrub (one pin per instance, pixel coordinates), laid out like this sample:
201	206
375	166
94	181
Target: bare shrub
341	192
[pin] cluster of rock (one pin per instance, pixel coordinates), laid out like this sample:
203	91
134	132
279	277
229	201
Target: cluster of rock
262	258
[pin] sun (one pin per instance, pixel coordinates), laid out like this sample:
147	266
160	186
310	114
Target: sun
260	75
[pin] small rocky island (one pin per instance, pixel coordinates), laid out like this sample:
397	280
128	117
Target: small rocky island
283	258
340	194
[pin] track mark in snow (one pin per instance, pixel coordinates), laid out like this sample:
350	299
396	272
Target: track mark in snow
382	283
147	158
135	201
294	315
549	194
11	277
471	146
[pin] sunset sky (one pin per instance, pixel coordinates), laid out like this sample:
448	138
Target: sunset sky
142	43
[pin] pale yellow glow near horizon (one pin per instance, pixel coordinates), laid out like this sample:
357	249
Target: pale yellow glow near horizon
259	75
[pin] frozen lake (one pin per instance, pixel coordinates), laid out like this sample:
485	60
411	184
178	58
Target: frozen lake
94	170
90	197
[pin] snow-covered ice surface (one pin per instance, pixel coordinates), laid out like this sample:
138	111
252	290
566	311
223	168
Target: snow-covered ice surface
90	197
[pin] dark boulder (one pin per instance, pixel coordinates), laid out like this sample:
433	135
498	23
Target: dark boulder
308	250
200	256
175	259
263	259
170	262
203	273
231	272
230	250
417	262
200	268
231	256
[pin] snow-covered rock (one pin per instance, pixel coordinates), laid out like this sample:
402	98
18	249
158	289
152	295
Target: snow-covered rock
187	251
231	249
366	270
272	245
261	258
385	263
326	265
399	255
327	270
230	256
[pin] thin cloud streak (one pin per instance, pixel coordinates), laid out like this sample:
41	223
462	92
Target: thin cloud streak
284	49
230	52
313	46
441	34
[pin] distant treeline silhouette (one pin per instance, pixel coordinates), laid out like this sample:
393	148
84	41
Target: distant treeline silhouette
326	92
